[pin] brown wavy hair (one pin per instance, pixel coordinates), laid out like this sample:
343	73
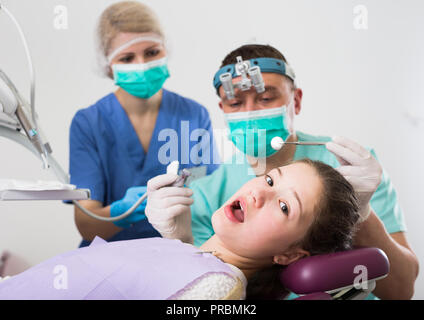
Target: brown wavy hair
331	230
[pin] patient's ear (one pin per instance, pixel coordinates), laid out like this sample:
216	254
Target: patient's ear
290	256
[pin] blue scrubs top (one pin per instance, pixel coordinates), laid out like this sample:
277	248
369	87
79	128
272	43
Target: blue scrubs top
106	155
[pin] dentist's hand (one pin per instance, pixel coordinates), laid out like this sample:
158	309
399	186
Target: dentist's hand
360	168
119	207
168	208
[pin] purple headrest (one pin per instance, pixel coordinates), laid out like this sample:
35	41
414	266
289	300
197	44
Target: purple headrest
333	271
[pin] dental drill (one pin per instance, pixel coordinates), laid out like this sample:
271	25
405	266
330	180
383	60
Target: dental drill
172	168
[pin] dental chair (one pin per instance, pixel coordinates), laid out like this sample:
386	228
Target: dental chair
348	275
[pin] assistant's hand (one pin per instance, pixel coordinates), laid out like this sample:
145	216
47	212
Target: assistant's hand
360	168
119	207
168	208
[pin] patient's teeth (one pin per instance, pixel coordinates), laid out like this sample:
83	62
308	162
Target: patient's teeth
241	207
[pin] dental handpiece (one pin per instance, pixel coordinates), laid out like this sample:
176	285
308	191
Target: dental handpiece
277	143
12	104
172	168
182	178
30	130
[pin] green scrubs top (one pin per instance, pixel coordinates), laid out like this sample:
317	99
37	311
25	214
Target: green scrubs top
211	192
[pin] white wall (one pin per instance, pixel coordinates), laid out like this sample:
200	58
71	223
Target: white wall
363	84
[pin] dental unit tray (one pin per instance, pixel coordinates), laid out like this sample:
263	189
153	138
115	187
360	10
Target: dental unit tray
19	195
11	189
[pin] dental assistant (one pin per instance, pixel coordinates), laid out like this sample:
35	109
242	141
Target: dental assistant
382	222
124	139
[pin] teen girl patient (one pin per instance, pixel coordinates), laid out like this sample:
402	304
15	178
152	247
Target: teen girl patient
301	209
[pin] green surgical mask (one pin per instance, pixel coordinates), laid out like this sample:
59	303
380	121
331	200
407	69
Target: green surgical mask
252	131
141	80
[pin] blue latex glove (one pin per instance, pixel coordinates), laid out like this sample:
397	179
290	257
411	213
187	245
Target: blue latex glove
119	207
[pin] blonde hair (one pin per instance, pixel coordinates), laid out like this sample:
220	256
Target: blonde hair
124	16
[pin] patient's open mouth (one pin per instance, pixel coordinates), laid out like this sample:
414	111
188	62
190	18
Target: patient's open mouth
235	211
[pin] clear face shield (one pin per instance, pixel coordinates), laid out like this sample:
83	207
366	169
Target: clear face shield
137	38
105	56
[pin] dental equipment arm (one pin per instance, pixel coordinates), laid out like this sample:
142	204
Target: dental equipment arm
14	106
63	177
22	139
21	115
29	60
